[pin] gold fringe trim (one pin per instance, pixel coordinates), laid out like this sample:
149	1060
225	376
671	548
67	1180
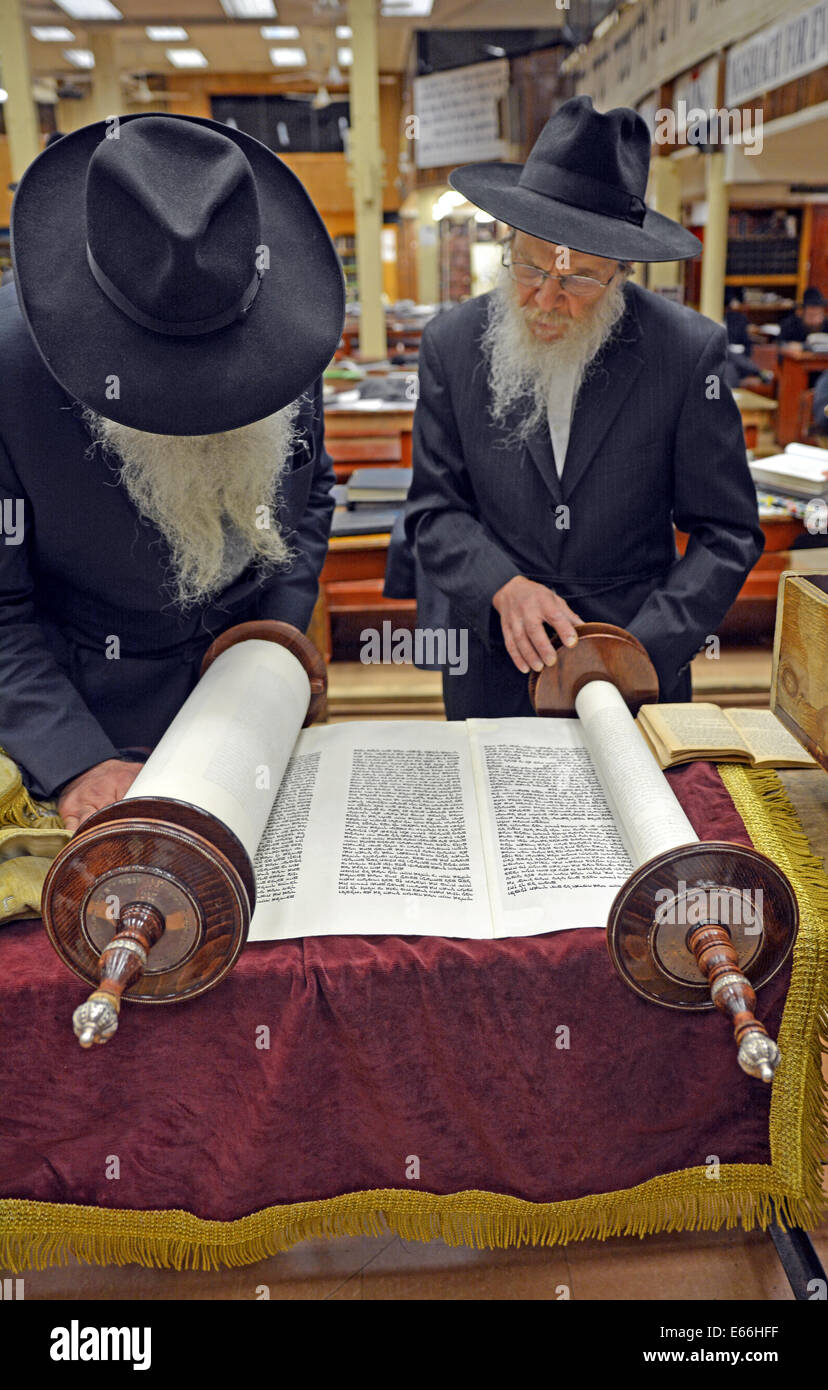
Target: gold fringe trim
51	1233
37	1234
19	808
798	1120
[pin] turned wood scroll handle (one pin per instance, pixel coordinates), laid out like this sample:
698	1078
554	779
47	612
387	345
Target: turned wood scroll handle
733	994
121	963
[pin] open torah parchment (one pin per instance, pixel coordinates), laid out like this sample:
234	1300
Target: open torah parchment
491	828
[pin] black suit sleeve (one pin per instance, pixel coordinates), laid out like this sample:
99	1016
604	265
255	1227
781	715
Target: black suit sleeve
441	523
290	595
715	502
45	726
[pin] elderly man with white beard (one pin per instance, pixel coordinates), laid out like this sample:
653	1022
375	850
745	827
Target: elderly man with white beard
568	419
163	474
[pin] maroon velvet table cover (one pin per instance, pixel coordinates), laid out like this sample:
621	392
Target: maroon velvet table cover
380	1049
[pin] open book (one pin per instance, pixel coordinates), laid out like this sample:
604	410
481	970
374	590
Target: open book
799	470
683	733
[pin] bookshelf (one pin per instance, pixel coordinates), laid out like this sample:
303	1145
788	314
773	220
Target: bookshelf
764	258
455	259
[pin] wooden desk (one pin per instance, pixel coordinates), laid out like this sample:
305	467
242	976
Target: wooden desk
351	422
755	412
795	369
763	580
352	581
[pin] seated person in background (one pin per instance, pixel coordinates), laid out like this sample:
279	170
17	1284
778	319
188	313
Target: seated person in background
820	411
811	318
162	470
567	419
741	368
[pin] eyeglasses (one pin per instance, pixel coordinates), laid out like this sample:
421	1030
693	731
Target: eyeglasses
584	286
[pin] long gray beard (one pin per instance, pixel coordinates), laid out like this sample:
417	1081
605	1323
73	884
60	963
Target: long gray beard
521	369
213	497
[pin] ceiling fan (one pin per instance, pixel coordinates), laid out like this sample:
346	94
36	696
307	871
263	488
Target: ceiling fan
139	90
322	69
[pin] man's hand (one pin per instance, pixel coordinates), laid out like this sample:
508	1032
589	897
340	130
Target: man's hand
524	607
97	787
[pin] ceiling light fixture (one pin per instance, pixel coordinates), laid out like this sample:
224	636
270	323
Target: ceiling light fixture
187	58
79	57
52	33
406	9
89	9
288	57
166	33
249	9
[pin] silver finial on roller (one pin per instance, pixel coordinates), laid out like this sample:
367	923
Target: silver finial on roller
759	1055
95	1020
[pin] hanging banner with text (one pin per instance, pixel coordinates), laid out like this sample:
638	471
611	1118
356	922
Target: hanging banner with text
457	115
778	54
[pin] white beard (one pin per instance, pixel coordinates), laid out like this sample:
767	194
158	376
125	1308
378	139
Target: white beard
201	490
522	368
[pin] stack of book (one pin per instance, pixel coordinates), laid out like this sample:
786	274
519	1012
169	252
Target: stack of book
799	472
369	503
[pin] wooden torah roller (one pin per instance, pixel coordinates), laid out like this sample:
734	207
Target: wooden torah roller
151	899
698	924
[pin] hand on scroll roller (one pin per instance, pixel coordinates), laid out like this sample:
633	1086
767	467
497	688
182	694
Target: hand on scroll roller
96	787
524	608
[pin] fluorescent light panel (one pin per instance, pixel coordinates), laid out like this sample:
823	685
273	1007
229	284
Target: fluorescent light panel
345	57
89	9
288	57
79	57
249	9
187	58
279	31
52	34
407	9
166	33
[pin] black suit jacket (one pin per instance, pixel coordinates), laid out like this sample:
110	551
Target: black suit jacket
89	569
656	437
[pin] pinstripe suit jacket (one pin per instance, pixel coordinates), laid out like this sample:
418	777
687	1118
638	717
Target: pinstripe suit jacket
656	438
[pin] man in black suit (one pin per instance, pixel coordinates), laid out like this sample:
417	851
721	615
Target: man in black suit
567	419
810	318
163	474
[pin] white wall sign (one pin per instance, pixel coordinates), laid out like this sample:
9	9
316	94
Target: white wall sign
655	39
778	54
457	117
698	90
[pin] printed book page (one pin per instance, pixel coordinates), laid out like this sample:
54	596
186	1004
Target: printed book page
374	830
554	853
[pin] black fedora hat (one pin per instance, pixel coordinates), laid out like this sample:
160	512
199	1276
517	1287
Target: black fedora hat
583	187
174	273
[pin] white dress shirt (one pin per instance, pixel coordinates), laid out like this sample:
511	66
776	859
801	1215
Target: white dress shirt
559	412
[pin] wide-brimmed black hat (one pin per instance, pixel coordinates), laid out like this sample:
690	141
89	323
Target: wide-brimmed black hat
582	187
174	273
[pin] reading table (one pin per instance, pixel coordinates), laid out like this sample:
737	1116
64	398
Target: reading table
488	1092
